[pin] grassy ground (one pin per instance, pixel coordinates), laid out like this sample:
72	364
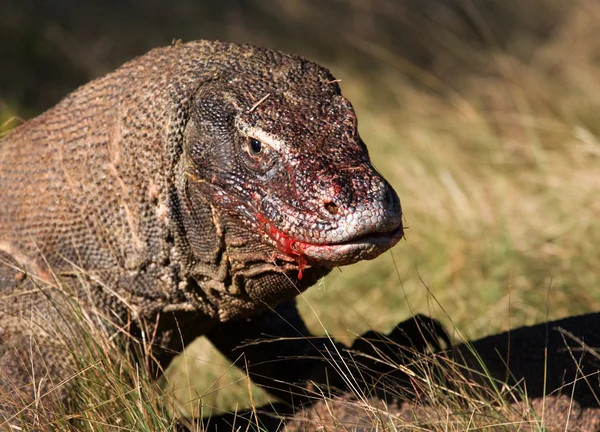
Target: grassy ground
494	150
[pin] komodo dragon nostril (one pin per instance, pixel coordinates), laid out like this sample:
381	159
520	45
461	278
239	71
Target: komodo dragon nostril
331	207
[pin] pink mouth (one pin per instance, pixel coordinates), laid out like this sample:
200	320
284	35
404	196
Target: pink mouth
359	248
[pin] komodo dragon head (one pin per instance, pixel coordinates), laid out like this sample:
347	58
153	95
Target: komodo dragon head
275	145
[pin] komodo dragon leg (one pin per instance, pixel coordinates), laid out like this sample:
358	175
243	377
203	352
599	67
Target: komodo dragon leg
291	363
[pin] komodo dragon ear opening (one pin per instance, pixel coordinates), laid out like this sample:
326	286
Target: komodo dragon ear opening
209	126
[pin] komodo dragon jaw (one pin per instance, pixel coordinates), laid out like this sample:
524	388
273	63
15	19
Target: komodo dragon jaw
289	164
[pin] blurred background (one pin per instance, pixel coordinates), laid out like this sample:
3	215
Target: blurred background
483	114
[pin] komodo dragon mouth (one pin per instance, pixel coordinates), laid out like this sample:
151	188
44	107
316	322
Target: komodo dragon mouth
338	249
299	234
362	247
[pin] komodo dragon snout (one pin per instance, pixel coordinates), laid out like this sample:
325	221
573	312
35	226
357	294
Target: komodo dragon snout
281	154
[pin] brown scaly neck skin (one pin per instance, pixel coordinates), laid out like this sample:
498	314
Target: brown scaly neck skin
199	177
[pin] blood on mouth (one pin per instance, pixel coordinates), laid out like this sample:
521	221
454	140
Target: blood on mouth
285	243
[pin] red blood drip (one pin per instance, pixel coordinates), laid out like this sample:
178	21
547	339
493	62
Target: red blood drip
301	261
285	244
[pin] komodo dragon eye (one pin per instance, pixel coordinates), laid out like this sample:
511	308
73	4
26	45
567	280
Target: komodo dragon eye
254	147
259	156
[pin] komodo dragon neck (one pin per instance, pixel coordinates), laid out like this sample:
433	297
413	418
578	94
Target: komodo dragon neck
204	176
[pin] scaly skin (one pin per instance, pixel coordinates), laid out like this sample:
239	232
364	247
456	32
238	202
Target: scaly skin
199	184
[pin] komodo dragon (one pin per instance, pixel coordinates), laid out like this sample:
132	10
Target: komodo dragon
194	187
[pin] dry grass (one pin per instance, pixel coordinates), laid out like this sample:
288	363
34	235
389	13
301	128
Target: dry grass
493	147
449	400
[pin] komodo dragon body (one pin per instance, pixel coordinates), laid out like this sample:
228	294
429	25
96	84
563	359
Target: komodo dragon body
194	186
